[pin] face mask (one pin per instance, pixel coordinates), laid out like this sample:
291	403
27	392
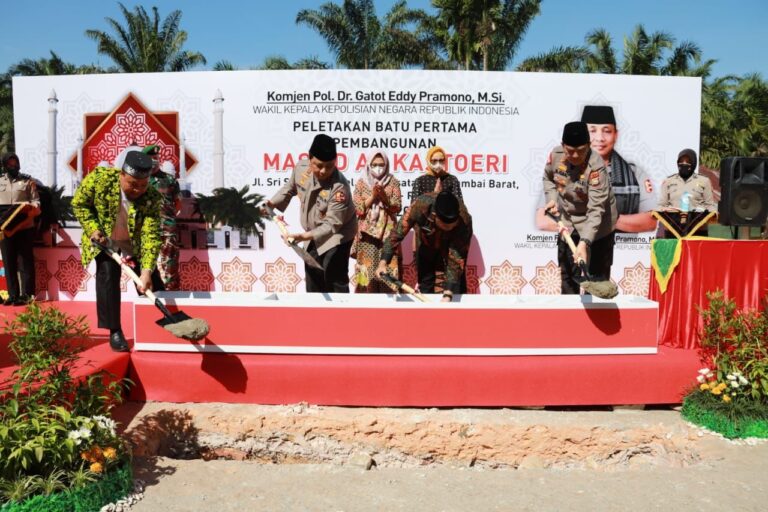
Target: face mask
437	168
377	171
685	170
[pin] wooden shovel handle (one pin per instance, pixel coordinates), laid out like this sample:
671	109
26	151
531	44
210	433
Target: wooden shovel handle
126	268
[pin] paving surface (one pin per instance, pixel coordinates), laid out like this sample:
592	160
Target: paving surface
315	458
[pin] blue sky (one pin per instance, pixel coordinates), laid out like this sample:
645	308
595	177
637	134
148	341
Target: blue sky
245	32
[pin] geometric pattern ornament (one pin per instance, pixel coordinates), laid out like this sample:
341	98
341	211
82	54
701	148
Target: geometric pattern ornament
196	275
410	277
280	276
635	280
473	280
72	276
130	123
547	280
506	279
42	276
236	276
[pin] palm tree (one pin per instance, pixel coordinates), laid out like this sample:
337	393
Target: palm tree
642	54
144	45
6	113
31	67
229	206
734	118
360	40
483	34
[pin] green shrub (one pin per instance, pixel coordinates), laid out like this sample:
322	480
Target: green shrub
55	430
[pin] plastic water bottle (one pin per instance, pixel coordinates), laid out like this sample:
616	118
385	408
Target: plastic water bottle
685	202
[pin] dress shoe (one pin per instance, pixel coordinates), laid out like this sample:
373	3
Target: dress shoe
24	300
10	301
117	341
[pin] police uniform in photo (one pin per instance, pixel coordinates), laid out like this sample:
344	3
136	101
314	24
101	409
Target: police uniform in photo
586	203
436	249
698	187
18	257
632	187
327	211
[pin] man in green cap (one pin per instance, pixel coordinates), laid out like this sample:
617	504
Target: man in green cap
166	275
578	189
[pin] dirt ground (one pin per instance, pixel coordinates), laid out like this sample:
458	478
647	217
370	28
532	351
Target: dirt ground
239	457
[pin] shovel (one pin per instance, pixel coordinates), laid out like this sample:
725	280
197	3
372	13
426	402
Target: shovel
602	289
303	254
179	324
398	285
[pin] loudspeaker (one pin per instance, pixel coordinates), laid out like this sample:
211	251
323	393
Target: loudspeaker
743	191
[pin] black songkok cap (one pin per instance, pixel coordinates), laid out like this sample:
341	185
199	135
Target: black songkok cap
323	148
137	164
594	114
7	157
447	207
575	134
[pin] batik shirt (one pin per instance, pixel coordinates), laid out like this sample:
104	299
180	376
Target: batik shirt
96	204
451	246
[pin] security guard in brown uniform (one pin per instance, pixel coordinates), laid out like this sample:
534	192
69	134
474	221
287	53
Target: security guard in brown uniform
698	187
578	187
15	189
327	215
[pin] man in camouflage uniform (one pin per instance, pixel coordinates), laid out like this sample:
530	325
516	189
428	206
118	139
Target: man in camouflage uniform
444	235
18	258
327	215
162	179
118	208
578	188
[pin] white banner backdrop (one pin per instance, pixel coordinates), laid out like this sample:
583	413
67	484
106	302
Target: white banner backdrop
497	129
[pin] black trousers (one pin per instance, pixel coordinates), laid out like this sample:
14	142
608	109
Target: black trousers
428	262
334	277
600	260
107	292
18	258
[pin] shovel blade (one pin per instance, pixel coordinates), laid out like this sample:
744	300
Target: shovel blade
175	318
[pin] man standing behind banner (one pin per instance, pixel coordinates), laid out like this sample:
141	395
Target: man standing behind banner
327	215
578	188
445	232
632	187
118	208
18	257
166	275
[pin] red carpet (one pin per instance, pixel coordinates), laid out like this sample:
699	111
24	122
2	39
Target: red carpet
358	380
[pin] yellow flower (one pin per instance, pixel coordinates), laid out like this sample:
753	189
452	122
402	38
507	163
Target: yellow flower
110	453
726	398
96	467
704	387
717	391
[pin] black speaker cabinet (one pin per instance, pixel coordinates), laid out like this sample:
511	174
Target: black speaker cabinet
743	191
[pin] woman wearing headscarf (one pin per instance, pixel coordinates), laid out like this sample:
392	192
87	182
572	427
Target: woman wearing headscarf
377	202
437	178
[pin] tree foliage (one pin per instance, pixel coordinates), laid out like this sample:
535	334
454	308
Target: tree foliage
145	44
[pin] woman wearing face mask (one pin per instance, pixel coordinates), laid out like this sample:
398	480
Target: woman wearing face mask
377	202
17	188
687	190
437	178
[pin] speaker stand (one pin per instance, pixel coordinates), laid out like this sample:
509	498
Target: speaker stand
742	233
